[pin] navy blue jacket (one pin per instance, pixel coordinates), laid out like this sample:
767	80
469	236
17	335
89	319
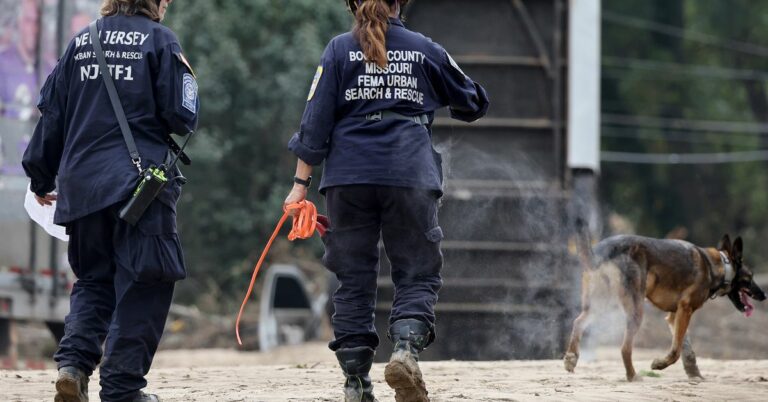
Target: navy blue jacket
77	147
420	78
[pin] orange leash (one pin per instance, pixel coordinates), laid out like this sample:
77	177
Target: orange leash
304	226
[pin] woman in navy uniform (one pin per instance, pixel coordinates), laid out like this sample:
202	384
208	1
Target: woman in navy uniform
126	274
368	117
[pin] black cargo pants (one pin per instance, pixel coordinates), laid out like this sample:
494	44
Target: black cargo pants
406	219
125	280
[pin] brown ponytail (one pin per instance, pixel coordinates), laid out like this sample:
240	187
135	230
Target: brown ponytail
370	30
131	7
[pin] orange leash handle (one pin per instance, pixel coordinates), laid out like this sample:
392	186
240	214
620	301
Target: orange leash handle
304	221
304	225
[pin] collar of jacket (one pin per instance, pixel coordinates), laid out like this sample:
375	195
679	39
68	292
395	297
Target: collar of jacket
396	21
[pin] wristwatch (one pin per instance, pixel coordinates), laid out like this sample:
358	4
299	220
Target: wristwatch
303	182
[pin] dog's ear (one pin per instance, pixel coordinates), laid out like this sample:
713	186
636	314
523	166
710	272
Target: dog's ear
737	249
725	244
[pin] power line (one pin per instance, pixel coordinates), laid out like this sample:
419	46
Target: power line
684	159
677	136
616	74
687	34
683	69
683	124
679	124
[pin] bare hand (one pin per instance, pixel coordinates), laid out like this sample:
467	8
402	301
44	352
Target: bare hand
47	200
298	193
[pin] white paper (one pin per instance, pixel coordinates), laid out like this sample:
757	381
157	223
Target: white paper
43	216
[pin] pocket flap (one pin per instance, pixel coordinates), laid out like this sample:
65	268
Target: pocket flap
435	234
157	219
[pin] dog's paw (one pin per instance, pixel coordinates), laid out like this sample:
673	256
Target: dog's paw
634	378
695	378
569	361
659	364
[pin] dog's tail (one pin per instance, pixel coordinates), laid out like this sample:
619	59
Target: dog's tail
585	253
584	250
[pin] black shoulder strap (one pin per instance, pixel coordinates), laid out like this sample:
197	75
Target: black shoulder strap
113	97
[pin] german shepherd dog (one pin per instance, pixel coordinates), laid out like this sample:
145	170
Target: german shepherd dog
675	276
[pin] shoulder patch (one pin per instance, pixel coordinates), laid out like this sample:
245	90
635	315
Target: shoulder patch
315	81
189	93
184	61
454	64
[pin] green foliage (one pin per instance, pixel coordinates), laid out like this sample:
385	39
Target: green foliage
254	60
707	200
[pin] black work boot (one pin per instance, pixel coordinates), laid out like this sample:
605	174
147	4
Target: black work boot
402	372
142	397
356	364
72	385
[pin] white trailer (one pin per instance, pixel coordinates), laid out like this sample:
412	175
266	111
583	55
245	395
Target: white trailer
35	279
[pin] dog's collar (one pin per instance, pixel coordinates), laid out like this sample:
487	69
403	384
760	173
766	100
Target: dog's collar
729	272
725	284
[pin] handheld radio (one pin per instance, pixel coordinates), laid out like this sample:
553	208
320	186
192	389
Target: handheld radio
151	181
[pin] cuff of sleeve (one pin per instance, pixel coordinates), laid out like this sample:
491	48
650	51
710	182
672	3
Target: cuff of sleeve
472	115
40	189
309	155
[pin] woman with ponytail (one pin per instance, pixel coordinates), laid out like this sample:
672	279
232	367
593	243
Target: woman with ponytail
368	116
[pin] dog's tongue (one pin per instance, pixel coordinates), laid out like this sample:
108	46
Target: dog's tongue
748	307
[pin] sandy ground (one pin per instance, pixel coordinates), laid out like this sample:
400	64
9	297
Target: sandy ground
309	373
